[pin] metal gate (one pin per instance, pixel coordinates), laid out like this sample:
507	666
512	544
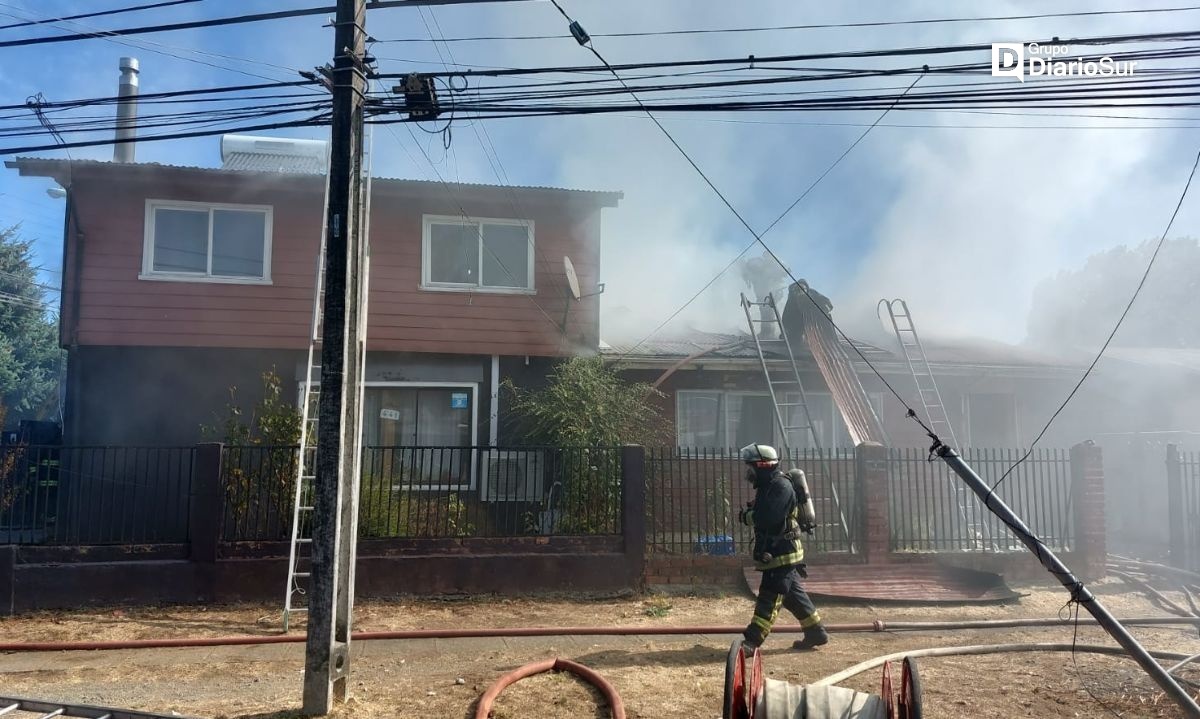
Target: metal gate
1183	489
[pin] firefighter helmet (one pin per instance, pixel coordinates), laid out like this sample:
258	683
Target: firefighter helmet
760	455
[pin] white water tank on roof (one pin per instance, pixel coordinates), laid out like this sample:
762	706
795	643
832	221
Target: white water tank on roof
255	145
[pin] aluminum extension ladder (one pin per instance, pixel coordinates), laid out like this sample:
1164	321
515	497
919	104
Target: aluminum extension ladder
299	554
935	410
47	709
794	426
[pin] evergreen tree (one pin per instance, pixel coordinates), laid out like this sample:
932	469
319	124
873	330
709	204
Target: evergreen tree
30	357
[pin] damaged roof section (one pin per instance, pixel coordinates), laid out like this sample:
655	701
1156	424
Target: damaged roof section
737	349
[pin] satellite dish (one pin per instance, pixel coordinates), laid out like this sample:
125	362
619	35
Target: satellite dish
572	278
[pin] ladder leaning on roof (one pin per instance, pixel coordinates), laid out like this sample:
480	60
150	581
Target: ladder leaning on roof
300	553
935	410
795	426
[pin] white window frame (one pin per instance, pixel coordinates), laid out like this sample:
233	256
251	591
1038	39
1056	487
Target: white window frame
724	418
473	386
726	427
876	399
427	221
149	273
969	423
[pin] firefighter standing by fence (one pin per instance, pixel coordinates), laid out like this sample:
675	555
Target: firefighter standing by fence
778	553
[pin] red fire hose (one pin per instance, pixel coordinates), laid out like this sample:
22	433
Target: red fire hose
484	709
877	625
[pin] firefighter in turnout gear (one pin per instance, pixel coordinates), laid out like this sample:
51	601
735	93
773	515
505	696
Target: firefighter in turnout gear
778	553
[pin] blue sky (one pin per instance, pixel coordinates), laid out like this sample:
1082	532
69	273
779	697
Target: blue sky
962	217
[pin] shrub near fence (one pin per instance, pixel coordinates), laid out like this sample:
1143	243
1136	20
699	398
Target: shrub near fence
926	514
430	492
693	497
94	495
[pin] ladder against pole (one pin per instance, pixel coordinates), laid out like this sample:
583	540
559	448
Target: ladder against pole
299	554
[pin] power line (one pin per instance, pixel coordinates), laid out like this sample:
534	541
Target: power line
309	122
224	21
153	46
811	26
758	61
757	237
169	94
116	11
32	281
585	42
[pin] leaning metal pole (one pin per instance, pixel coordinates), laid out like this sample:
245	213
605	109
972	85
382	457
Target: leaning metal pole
1079	592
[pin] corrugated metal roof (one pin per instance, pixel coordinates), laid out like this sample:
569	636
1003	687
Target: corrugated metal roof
978	351
1184	359
729	346
272	162
965	353
719	345
41	164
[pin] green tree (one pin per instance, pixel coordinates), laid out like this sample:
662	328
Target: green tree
589	410
30	357
1077	308
588	404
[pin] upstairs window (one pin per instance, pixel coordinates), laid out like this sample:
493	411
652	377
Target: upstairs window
210	243
477	254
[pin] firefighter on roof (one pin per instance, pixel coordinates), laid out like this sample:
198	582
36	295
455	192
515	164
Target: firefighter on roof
777	515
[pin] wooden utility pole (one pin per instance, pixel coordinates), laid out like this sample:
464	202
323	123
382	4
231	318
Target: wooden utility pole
335	490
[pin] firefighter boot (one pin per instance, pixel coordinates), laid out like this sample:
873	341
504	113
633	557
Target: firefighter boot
814	637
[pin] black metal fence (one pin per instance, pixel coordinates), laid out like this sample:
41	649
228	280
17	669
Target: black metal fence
259	484
932	510
94	495
429	492
693	497
1188	553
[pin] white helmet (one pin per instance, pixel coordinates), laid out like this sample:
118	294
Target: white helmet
760	455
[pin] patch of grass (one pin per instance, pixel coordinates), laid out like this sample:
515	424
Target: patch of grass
656	607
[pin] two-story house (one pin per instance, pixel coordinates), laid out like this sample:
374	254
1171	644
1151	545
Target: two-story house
181	282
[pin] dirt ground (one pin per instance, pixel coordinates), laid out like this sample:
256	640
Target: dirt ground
677	676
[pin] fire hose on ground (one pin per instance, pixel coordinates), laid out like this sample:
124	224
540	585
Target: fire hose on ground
484	709
877	625
993	649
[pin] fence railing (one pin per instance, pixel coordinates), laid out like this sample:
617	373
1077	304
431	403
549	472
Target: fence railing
1189	497
926	514
693	497
429	492
94	495
132	495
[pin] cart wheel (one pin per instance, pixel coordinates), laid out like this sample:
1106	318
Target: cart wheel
910	690
886	693
735	683
743	682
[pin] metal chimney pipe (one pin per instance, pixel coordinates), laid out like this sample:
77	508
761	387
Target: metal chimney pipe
123	150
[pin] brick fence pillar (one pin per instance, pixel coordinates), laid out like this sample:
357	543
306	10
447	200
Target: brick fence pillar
8	579
1088	513
633	510
204	515
871	468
